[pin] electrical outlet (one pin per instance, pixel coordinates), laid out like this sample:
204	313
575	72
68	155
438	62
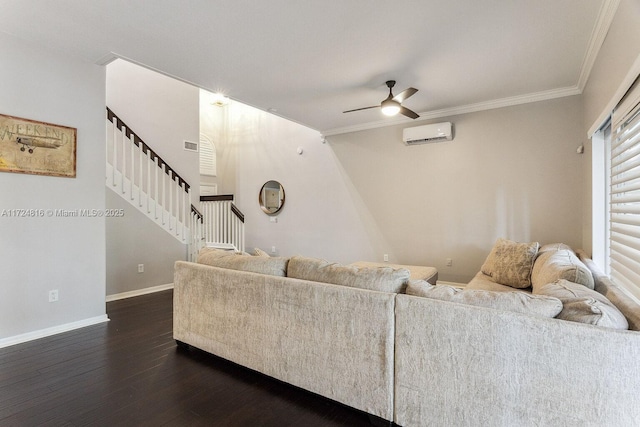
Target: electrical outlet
449	262
273	249
385	257
53	295
140	268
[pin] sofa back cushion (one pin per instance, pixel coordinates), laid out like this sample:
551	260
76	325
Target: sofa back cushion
554	247
584	305
517	301
560	264
510	263
384	279
273	266
613	292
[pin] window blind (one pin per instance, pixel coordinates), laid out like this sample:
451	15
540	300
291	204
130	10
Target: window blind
207	156
624	193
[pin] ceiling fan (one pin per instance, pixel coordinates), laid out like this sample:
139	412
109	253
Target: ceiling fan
392	105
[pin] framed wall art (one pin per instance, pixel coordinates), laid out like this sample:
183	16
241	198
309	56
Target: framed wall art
29	146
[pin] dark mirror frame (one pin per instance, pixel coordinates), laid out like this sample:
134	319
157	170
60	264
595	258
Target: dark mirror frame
271	197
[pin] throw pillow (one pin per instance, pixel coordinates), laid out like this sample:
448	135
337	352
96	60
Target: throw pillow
384	279
561	264
259	252
510	263
584	305
516	301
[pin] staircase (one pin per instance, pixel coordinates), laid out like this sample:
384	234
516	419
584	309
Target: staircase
223	222
146	181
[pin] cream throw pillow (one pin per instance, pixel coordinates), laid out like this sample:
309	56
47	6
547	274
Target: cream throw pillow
260	252
510	263
584	305
516	301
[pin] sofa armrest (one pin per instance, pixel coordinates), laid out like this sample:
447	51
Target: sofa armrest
333	340
464	365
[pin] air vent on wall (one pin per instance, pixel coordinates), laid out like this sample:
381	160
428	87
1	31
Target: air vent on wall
191	146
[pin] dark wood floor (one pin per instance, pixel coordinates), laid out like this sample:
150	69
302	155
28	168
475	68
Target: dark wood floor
129	372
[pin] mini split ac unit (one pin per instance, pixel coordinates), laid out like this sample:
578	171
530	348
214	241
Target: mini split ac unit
428	133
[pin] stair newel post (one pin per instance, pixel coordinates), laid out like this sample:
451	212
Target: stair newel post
242	238
185	209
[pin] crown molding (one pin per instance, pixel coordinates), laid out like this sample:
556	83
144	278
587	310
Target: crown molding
464	109
599	33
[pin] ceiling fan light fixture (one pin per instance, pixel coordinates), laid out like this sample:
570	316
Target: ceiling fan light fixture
390	107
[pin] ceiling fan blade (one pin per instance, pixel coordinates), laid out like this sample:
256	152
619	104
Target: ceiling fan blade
364	108
406	112
405	94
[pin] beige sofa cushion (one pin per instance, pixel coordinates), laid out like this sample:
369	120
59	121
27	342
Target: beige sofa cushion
554	247
517	301
584	305
416	272
510	263
560	264
273	266
485	283
384	279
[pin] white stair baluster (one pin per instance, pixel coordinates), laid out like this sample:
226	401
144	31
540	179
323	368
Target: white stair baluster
132	149
114	154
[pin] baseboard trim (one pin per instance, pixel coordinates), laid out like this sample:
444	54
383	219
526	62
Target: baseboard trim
42	333
138	292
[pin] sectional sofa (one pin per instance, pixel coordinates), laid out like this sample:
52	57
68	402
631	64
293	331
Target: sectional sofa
386	341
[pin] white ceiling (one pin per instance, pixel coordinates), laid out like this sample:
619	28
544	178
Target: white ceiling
308	60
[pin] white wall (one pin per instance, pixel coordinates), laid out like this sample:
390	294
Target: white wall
133	239
511	172
320	218
42	254
163	112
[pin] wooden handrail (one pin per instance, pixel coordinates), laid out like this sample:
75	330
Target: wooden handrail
217	198
111	116
197	213
237	212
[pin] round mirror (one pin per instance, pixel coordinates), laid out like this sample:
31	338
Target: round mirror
271	197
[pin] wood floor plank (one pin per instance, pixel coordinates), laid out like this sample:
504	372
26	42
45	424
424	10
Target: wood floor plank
129	372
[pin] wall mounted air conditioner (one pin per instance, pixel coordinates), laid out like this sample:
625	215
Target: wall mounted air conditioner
428	133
